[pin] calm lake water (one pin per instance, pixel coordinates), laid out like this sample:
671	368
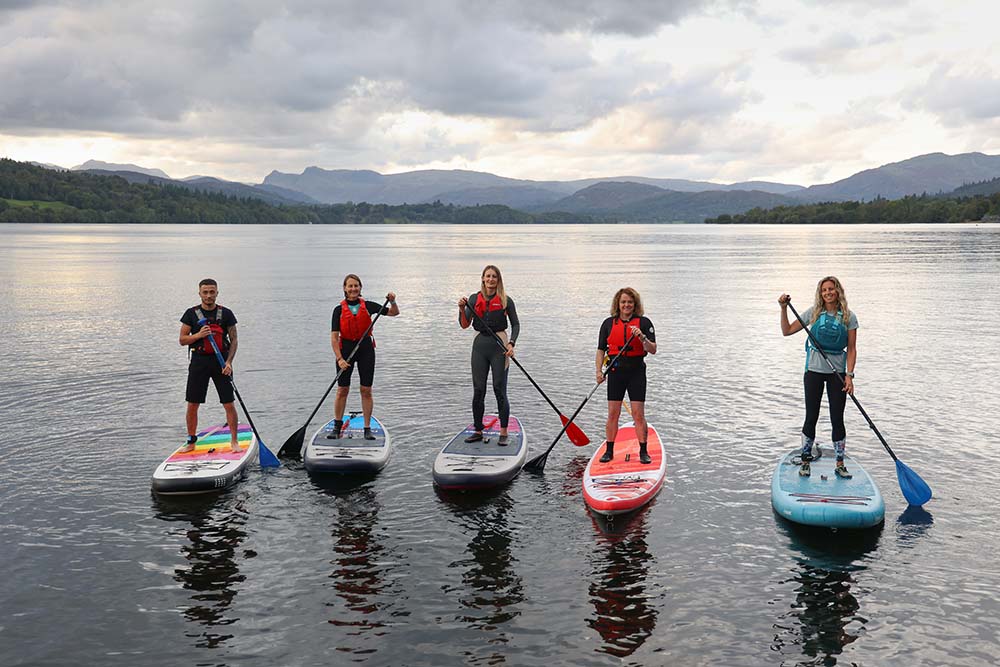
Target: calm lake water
285	570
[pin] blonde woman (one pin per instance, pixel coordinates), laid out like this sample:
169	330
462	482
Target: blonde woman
629	372
490	307
835	328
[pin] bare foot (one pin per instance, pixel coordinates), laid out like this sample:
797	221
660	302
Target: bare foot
235	447
186	448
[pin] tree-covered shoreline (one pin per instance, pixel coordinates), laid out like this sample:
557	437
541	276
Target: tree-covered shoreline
914	209
30	194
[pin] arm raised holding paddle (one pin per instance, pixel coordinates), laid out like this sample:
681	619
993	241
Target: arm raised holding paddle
829	294
349	336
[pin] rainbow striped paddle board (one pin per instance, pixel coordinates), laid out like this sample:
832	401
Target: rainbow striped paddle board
210	466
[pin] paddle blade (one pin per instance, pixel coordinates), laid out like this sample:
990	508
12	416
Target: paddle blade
265	457
293	446
915	490
537	463
574	432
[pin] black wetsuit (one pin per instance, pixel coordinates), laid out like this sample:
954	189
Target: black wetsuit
204	366
365	358
629	373
488	356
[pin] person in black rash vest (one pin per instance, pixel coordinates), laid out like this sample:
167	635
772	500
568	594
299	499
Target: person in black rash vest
204	365
351	319
496	309
629	372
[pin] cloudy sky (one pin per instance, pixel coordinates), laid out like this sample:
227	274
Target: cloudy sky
801	91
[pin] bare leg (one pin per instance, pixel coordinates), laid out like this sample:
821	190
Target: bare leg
340	402
367	404
639	417
233	420
191	419
614	413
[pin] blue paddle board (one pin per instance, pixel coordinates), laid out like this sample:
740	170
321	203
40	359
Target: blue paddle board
351	452
823	499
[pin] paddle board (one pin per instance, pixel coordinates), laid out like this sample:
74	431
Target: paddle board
823	499
210	466
623	484
483	464
350	453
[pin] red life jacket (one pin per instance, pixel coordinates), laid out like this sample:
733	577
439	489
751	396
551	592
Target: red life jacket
619	334
353	327
203	346
483	306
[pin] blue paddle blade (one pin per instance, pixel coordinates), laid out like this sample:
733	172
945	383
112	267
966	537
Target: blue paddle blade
914	489
265	457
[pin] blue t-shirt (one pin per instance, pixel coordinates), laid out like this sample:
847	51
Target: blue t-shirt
815	361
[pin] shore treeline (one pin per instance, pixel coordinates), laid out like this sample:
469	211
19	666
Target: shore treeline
31	194
912	209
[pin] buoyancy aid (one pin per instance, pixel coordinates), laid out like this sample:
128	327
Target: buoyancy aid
354	325
204	346
830	331
484	305
619	334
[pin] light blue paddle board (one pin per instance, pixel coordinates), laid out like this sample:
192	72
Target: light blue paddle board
823	499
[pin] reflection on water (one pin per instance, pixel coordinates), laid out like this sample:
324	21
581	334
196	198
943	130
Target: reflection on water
358	577
824	616
625	616
212	573
493	588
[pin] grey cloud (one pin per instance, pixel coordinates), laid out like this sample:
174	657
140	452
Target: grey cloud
307	77
957	98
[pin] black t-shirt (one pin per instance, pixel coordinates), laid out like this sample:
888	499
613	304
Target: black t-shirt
645	326
227	317
372	308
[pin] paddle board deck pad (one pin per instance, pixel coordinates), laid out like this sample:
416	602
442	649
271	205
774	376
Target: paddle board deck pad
210	466
823	499
350	453
624	484
482	464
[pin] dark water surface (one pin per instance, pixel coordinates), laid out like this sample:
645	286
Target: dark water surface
284	570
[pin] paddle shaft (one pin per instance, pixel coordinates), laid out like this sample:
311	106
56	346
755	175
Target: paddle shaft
349	359
540	460
840	377
232	380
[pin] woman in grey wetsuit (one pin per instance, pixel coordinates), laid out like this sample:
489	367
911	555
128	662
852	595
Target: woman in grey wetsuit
494	310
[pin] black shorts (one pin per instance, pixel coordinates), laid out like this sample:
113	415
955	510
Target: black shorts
364	360
628	376
204	367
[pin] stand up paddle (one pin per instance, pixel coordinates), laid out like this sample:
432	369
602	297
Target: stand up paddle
915	490
574	432
264	455
538	463
293	446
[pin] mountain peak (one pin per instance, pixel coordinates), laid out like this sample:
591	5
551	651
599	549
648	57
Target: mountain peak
111	166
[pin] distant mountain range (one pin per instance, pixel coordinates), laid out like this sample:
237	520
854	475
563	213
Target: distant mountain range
266	193
621	198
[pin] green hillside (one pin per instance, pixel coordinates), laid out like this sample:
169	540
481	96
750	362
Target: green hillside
31	194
